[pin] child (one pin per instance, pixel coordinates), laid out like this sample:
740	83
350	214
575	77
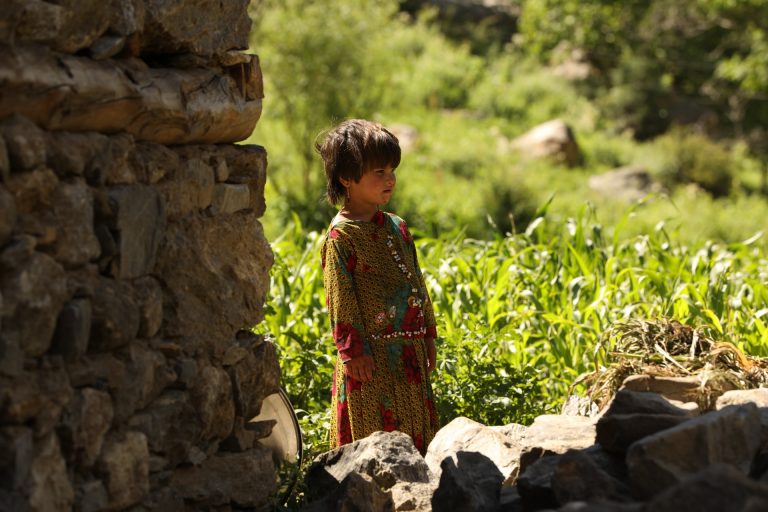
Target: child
381	316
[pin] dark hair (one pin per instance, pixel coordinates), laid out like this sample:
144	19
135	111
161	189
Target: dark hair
352	148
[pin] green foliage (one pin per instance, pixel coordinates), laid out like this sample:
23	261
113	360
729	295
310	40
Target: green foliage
520	317
683	158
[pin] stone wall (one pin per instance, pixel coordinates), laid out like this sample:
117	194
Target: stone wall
132	260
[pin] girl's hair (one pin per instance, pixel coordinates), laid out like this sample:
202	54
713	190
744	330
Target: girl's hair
352	148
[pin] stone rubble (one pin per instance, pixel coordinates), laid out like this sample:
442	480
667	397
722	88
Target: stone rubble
645	452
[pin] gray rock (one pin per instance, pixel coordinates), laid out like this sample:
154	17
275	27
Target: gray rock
248	165
5	164
759	397
11	355
626	401
241	438
220	169
189	189
193	26
616	432
94	413
578	478
730	436
112	165
553	139
629	183
154	161
124	463
92	496
212	398
683	389
413	496
228	198
472	482
535	483
36	399
68	153
716	488
33	294
255	377
210	291
24	141
106	47
73	329
116	317
246	479
146	374
7	215
552	434
140	223
357	493
465	435
127	17
16	448
48	481
387	457
76	242
149	296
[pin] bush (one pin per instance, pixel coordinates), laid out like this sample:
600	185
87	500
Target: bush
681	157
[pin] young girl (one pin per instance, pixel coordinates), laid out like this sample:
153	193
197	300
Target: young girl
381	316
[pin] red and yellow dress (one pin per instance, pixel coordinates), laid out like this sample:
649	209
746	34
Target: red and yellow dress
378	305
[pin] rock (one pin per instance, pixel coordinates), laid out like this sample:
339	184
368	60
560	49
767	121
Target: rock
127	16
759	397
49	485
5	164
124	463
7	215
212	398
629	183
189	189
716	488
76	242
210	291
355	493
616	432
16	448
553	139
229	198
11	355
68	153
578	478
33	191
465	435
253	378
246	479
73	329
111	164
149	296
74	93
33	294
472	482
24	141
576	405
193	26
730	436
683	389
115	315
106	47
241	438
140	223
535	483
92	496
145	375
626	401
91	418
554	434
248	165
387	457
412	496
153	162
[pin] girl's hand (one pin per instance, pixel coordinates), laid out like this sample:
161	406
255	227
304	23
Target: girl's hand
431	354
360	368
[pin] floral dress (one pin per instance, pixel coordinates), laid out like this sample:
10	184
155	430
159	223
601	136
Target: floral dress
378	305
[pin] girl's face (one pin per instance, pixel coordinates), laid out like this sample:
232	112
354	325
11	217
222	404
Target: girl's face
374	188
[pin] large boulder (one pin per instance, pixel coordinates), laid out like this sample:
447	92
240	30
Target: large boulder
629	183
553	140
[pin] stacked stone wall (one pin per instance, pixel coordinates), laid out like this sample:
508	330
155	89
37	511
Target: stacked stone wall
132	259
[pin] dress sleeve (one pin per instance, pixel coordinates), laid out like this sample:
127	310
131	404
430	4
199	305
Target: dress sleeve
339	260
